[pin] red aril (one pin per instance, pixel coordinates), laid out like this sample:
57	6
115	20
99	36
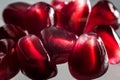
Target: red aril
73	16
9	65
88	59
14	13
34	60
58	4
10	31
111	41
59	43
103	13
39	16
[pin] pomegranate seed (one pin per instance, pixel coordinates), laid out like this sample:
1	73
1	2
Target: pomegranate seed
59	43
103	13
39	16
73	16
88	59
14	13
10	31
111	41
9	66
58	4
33	58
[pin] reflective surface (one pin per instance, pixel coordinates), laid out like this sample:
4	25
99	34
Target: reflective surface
63	72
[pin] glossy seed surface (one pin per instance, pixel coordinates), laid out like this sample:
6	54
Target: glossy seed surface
33	58
59	43
9	65
39	16
73	16
111	41
10	31
103	13
14	13
88	59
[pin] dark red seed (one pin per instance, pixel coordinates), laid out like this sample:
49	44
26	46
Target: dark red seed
39	16
59	43
9	65
88	59
58	4
111	41
33	58
10	31
103	13
14	13
73	16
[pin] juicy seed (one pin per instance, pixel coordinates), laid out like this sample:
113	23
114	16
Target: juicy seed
89	58
33	58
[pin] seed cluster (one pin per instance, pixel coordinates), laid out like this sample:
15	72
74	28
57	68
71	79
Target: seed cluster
38	37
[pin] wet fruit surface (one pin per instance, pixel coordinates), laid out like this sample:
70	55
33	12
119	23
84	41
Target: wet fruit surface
14	13
103	13
111	41
73	16
33	58
39	36
59	43
10	31
39	16
58	4
9	66
88	59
